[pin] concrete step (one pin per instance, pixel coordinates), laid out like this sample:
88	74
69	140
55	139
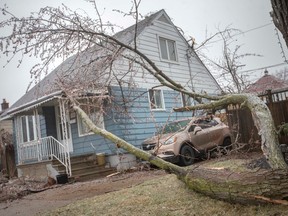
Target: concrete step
94	174
83	158
77	159
84	168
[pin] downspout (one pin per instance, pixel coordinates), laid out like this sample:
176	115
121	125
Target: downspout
38	136
188	55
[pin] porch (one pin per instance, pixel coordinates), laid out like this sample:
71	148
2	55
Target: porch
44	142
83	167
43	150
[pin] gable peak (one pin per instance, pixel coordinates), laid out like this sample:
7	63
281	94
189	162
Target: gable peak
164	19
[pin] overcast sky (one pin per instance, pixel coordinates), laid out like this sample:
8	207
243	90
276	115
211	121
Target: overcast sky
197	18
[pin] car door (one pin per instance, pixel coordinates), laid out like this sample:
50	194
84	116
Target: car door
199	138
216	133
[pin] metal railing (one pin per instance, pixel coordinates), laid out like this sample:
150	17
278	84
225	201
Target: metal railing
45	148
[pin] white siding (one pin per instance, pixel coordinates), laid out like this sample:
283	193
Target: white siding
202	80
179	71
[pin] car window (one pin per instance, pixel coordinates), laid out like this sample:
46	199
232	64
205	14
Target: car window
205	123
213	123
174	127
192	127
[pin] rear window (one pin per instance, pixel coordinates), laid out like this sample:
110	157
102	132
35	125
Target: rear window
174	127
205	123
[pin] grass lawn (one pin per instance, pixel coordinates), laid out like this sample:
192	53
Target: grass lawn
162	196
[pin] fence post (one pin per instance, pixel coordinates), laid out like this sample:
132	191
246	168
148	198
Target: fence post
269	96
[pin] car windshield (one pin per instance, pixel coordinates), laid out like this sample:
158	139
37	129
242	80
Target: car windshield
174	127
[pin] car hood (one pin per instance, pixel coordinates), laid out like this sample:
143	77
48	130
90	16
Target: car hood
157	138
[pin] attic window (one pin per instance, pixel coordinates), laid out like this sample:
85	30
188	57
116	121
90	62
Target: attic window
168	49
164	19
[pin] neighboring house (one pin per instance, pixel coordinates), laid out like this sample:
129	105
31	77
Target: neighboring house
45	124
7	157
267	83
5	125
274	93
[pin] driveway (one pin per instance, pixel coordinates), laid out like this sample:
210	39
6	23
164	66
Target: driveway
61	195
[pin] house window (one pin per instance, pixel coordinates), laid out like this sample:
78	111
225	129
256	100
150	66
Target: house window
28	128
186	100
168	49
156	99
95	115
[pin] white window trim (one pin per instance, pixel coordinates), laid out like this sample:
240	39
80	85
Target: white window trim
79	121
27	129
182	102
160	52
162	101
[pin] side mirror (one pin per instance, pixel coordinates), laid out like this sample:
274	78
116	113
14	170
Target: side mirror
197	129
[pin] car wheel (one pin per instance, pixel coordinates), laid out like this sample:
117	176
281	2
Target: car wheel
226	146
187	155
226	142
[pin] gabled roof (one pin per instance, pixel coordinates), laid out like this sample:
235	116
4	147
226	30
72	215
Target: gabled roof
127	35
46	89
266	82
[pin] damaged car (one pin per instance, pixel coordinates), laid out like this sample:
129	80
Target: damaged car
182	141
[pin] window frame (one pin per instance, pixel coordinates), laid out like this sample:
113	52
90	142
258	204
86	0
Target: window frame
81	125
184	100
155	108
26	138
168	59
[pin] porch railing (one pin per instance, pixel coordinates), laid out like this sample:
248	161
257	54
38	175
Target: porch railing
43	149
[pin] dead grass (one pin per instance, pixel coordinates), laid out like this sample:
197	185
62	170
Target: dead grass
162	196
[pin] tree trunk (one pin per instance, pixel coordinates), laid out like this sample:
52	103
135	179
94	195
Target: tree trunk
280	17
244	186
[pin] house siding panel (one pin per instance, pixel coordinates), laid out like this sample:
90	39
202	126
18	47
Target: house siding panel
179	71
134	128
193	75
143	122
86	144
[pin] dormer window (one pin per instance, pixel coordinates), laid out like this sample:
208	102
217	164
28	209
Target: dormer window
168	49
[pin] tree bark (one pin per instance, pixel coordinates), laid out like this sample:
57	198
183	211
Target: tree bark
244	186
280	17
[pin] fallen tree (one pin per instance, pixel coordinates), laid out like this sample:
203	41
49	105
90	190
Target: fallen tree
54	33
233	185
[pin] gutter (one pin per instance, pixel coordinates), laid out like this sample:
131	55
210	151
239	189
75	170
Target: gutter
28	106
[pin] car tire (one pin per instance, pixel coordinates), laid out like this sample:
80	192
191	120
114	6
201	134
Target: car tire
187	155
226	146
227	142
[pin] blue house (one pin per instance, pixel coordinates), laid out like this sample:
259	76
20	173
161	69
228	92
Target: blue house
135	103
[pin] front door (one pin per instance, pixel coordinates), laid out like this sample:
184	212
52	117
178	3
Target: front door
63	128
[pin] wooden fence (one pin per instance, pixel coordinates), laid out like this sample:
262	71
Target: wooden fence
240	120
